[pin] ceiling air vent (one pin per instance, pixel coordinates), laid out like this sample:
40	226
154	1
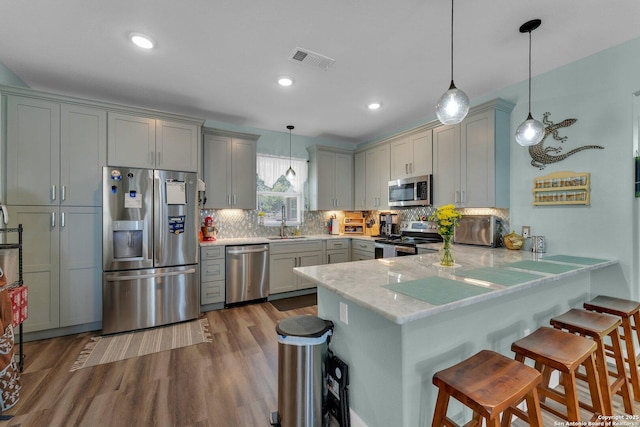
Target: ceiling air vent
311	58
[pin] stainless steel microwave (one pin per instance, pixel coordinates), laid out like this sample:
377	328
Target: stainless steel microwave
415	191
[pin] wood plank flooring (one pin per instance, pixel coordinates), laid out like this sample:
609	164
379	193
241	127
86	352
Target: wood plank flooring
229	382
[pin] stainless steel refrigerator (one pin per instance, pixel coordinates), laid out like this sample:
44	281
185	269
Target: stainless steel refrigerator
149	248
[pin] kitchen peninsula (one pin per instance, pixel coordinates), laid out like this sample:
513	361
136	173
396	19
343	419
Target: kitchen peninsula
394	342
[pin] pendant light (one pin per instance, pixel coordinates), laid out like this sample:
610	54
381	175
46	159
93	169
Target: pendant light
531	131
290	174
453	106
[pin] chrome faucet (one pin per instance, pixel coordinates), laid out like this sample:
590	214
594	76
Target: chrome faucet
283	223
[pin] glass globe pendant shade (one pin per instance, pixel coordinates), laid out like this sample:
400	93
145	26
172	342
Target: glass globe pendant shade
530	132
290	174
453	106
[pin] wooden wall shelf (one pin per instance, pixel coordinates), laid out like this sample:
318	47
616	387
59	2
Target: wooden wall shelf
562	188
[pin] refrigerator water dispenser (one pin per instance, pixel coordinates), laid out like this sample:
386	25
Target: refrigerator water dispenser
128	239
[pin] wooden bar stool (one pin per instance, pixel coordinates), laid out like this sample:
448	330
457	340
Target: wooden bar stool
629	313
488	383
598	326
552	349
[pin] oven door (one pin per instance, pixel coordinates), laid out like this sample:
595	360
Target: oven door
383	250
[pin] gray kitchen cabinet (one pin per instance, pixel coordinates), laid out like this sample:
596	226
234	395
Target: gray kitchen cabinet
471	159
55	152
148	142
411	155
330	178
229	171
372	174
377	177
338	250
362	250
285	256
359	181
212	274
80	265
62	264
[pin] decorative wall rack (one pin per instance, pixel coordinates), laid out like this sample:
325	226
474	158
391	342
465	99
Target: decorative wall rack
562	188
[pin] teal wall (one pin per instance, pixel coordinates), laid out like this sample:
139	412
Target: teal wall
7	77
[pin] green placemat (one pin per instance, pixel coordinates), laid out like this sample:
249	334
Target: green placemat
575	259
437	290
499	276
543	267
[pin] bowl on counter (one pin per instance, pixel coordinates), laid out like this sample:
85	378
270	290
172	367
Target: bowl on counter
513	241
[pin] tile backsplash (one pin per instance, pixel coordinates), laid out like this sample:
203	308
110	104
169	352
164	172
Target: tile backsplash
235	223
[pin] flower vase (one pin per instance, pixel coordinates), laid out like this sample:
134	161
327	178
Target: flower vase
446	251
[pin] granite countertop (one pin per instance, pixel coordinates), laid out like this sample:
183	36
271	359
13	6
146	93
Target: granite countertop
256	240
480	274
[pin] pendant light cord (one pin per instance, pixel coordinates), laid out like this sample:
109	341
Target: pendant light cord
529	72
452	41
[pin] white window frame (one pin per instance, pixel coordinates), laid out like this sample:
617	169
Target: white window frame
272	168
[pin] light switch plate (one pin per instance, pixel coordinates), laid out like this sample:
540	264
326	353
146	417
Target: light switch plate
526	231
344	313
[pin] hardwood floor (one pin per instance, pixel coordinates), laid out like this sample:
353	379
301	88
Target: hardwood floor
229	382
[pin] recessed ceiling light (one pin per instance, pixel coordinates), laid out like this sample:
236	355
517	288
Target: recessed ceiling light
141	40
374	105
285	81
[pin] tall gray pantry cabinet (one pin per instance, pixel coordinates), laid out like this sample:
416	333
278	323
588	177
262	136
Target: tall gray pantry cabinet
56	147
54	154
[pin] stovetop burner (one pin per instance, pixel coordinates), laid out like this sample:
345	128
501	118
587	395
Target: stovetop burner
414	233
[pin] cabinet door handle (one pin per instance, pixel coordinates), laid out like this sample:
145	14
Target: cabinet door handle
235	200
151	156
62	219
53	192
158	158
406	168
229	199
53	220
463	197
329	260
456	197
63	193
410	167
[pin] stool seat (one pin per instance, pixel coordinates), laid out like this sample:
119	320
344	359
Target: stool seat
599	326
629	313
488	383
554	349
611	305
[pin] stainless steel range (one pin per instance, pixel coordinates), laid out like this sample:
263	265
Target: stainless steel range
412	234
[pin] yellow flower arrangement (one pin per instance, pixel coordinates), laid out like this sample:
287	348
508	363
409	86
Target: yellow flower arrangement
447	218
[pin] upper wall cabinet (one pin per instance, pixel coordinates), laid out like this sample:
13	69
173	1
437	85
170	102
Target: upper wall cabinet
229	170
371	178
471	160
55	152
411	155
144	142
330	178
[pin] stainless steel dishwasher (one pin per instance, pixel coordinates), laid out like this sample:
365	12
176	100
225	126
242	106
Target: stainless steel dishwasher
247	273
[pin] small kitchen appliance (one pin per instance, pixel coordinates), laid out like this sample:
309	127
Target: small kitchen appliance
479	230
413	234
389	225
415	191
208	230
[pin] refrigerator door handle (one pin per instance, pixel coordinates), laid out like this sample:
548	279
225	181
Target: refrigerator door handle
118	277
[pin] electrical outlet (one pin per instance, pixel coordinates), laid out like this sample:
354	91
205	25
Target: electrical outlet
344	313
526	231
527	332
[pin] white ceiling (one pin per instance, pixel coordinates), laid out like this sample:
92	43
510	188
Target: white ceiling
219	59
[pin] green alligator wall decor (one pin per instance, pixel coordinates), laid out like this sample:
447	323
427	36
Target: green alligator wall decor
540	154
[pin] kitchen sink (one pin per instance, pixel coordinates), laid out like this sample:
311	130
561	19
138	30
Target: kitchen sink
286	238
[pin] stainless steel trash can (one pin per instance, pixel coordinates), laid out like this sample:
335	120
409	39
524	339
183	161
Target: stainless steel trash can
301	341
